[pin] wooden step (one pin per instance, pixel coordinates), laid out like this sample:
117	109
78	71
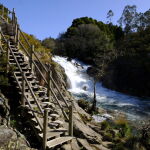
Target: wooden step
16	53
19	73
12	46
51	124
43	99
58	141
41	93
51	134
11	56
29	78
34	105
11	60
24	69
48	104
34	88
24	64
31	101
61	129
54	116
55	124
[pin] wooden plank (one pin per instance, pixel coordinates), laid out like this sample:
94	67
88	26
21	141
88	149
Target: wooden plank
58	130
51	134
58	141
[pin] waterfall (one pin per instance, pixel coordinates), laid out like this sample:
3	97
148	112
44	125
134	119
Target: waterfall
82	87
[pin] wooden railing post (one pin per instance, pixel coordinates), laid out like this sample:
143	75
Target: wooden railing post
49	83
31	57
15	29
70	120
2	11
13	17
0	37
7	12
23	89
7	59
45	124
17	36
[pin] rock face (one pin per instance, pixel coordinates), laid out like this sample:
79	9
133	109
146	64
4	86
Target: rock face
58	74
4	110
11	139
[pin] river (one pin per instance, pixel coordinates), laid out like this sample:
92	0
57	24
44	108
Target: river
82	87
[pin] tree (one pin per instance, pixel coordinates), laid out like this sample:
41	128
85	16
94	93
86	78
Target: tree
146	18
128	18
94	97
49	43
110	14
86	42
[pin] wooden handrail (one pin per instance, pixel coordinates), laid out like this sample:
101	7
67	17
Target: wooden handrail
25	38
64	113
33	95
15	58
24	48
29	104
42	73
43	66
24	78
40	62
26	81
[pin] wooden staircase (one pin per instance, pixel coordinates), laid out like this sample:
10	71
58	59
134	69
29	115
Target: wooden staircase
41	103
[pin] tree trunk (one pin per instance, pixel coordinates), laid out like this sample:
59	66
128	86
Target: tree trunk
94	98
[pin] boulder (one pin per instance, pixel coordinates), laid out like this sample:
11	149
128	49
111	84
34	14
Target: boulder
12	139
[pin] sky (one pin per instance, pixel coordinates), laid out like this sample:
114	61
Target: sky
49	18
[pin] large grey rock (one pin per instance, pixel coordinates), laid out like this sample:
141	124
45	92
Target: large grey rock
4	110
81	128
11	139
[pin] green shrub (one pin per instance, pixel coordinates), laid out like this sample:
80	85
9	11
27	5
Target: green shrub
105	125
3	80
108	137
123	127
84	104
120	146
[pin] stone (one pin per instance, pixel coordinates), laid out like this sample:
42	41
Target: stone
74	145
85	144
11	139
66	147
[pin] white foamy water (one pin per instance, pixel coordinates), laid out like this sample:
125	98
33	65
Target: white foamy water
82	87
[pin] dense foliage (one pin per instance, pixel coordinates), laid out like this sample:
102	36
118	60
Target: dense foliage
87	39
43	52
